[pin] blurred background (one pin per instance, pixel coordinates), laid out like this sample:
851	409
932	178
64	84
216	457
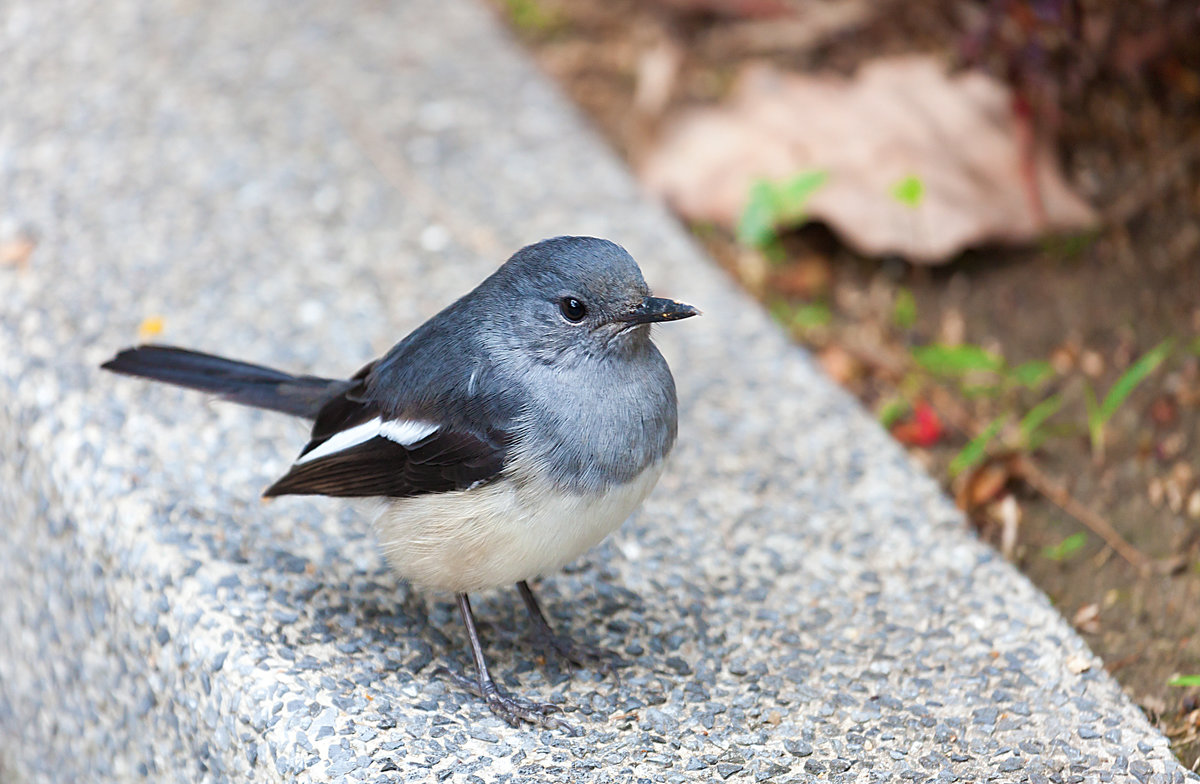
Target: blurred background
983	218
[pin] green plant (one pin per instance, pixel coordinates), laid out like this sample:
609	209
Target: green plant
1184	680
776	205
976	448
1031	374
943	360
904	309
909	191
1066	548
1099	413
811	315
531	17
893	411
1032	434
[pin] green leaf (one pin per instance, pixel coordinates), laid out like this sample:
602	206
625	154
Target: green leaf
1095	423
531	16
1032	422
910	191
892	411
757	225
1066	548
904	309
811	315
1184	680
1136	373
974	391
1032	374
955	360
976	449
1194	346
793	194
775	205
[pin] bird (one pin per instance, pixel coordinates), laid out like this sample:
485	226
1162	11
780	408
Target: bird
506	435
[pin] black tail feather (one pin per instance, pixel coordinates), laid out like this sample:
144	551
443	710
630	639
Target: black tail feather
239	382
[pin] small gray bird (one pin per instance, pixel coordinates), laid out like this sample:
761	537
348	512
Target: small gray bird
507	434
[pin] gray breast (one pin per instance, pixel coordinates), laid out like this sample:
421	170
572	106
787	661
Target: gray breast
598	424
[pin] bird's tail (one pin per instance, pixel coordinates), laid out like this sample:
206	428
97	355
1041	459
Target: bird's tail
240	382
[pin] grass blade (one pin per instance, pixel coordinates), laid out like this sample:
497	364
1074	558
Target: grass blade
1184	680
1066	548
1032	374
974	451
1036	417
1135	375
942	360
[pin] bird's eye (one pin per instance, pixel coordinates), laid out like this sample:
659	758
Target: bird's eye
572	309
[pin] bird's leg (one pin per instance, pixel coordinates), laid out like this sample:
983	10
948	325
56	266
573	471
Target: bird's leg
512	709
579	654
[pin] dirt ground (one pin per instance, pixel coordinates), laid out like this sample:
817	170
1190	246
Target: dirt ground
1129	138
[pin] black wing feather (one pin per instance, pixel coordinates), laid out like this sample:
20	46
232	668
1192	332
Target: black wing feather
454	457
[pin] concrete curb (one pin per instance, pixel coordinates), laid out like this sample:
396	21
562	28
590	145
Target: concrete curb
300	184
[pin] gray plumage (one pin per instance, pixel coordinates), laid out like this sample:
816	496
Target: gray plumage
507	434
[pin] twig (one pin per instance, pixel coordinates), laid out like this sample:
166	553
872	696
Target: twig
1063	499
1036	478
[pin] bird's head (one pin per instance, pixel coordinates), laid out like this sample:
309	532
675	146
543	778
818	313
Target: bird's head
571	299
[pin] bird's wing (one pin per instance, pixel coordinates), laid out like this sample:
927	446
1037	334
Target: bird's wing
361	447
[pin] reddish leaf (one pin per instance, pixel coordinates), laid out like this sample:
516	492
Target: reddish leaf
923	428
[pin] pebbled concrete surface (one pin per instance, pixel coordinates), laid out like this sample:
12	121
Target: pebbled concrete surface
300	184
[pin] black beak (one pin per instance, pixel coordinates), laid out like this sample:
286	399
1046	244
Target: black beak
654	309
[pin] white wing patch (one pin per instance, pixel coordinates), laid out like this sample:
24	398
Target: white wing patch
405	432
401	431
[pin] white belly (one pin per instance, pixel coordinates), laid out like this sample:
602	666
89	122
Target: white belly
501	533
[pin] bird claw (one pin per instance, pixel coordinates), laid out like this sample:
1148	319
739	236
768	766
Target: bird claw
510	709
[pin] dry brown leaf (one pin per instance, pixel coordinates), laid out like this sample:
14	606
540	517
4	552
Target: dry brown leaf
839	364
897	119
983	485
1087	619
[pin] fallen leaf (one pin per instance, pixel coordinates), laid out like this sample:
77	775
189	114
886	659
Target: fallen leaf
840	364
923	428
1087	619
899	120
1193	505
984	484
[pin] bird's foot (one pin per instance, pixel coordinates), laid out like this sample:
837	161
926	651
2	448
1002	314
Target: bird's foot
510	709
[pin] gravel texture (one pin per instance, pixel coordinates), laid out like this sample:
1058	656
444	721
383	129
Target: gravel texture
300	183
